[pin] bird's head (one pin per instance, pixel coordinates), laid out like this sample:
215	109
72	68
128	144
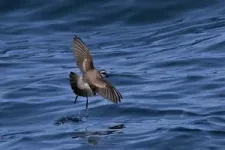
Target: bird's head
103	73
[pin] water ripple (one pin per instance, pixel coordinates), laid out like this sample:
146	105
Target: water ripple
165	57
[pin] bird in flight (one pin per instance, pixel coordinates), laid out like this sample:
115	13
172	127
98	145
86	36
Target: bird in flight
92	81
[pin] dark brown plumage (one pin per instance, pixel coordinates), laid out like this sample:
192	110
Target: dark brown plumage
92	81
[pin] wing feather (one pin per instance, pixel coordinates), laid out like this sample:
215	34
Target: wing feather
82	55
107	90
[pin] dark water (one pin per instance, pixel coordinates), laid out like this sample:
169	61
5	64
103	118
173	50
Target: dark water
167	57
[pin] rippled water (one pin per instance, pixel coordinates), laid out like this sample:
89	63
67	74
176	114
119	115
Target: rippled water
166	57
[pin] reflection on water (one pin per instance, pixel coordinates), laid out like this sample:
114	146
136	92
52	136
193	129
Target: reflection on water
94	137
119	126
64	120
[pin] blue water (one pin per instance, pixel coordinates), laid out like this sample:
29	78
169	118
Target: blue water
166	57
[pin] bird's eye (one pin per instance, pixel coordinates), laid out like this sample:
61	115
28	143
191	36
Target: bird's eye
103	73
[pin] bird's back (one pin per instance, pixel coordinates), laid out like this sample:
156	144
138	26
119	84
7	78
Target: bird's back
79	86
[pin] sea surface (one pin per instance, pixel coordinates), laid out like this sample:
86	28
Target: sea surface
166	57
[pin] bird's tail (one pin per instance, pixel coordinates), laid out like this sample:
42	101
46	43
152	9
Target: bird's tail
73	81
73	77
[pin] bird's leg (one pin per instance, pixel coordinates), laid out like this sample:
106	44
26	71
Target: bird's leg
75	99
87	103
87	107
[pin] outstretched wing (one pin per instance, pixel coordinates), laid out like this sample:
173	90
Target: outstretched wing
107	90
82	55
